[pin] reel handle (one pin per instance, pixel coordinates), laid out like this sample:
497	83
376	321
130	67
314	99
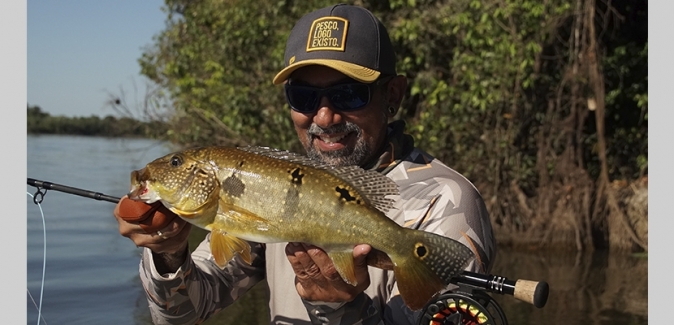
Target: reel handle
533	292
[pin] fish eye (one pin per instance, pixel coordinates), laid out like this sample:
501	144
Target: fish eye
176	161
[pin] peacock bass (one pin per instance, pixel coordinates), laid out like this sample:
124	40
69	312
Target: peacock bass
268	195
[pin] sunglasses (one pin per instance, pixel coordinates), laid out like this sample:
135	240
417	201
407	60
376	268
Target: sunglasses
346	97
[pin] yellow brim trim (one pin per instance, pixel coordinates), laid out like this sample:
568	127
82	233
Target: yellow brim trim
354	71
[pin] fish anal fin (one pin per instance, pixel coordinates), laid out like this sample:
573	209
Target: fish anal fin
379	259
224	246
343	261
417	286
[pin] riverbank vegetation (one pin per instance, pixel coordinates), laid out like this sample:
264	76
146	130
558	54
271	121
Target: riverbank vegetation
543	105
40	122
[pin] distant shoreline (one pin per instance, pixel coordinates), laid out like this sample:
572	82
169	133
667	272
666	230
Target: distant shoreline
39	122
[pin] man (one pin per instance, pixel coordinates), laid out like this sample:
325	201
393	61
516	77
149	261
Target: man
341	84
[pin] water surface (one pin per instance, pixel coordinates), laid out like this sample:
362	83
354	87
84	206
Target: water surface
92	272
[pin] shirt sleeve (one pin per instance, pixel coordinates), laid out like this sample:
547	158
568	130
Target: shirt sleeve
358	311
198	289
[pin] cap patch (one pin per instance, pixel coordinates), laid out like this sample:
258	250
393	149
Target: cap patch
327	34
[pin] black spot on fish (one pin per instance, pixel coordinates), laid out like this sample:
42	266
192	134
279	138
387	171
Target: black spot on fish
345	194
233	186
240	164
296	176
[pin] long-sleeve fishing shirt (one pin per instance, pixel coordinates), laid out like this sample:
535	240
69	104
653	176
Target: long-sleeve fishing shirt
433	197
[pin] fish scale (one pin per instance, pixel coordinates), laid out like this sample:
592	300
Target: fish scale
268	195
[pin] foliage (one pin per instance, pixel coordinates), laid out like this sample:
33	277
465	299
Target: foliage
217	59
501	90
626	74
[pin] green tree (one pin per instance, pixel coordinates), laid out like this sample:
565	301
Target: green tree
541	104
217	60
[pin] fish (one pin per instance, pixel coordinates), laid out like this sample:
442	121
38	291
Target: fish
267	195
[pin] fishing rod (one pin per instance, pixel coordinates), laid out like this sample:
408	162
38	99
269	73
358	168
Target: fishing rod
532	292
67	189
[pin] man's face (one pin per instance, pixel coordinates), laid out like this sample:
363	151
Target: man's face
335	137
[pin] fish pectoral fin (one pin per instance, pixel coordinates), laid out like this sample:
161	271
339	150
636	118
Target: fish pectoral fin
343	261
238	215
224	246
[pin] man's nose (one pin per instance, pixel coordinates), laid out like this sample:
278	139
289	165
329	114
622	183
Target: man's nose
327	115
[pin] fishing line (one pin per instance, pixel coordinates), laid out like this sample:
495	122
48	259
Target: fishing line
44	260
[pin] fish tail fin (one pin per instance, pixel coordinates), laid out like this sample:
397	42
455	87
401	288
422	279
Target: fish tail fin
426	264
224	246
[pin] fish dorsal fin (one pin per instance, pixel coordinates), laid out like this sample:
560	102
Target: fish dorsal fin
374	187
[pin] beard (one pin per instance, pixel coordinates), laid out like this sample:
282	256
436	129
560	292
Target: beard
342	157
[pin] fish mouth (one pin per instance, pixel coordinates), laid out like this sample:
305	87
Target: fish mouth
140	190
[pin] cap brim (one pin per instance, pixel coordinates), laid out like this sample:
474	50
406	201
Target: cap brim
354	71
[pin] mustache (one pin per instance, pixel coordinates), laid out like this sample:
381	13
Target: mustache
347	127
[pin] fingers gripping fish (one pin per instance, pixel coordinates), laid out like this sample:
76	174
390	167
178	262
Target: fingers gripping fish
267	195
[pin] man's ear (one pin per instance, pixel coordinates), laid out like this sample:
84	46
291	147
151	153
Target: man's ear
396	88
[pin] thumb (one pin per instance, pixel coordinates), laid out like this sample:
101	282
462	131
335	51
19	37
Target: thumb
360	255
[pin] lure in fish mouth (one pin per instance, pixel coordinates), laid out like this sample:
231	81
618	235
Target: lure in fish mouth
140	189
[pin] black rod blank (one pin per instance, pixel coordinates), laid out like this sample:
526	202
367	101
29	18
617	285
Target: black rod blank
72	190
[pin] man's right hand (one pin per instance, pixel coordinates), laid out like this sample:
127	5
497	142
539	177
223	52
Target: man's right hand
153	226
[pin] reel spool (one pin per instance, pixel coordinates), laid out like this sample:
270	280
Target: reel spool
463	308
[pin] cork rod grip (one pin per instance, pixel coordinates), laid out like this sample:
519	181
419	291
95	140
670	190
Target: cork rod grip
533	292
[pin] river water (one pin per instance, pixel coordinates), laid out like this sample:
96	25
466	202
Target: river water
91	274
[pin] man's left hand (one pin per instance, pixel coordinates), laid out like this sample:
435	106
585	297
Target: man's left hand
316	278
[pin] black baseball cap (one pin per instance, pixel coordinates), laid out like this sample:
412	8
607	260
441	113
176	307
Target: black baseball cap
347	38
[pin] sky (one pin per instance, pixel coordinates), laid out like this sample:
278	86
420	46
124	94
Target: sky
80	52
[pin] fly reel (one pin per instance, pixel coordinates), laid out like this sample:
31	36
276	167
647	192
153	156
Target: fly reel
471	305
463	308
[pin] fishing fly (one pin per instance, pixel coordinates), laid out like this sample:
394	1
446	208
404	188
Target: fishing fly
469	304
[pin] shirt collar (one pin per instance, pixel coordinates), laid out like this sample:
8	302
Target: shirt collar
398	146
